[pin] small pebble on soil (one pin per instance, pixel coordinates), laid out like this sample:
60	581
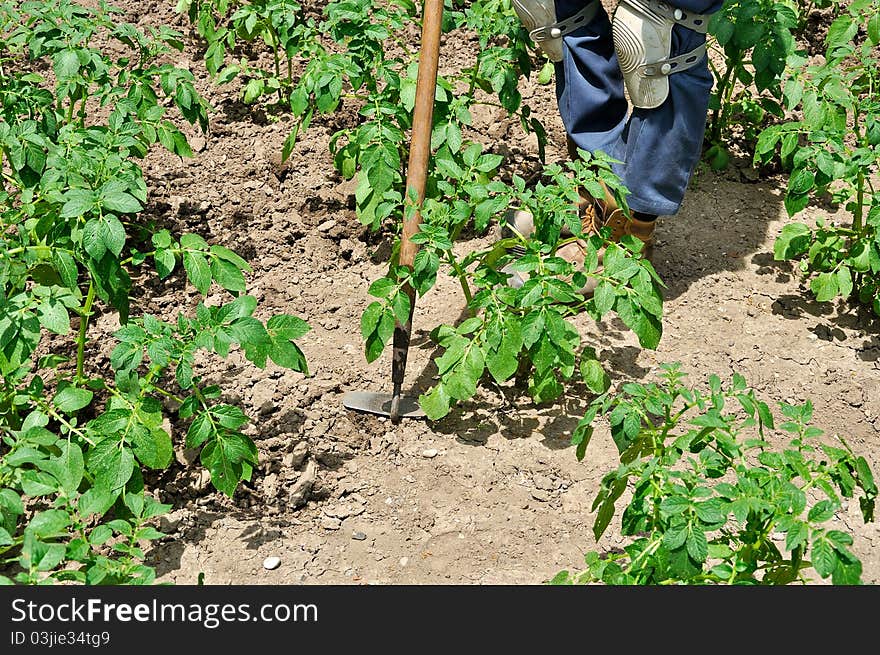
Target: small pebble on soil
272	562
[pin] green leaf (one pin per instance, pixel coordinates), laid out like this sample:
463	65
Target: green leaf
697	546
78	202
797	535
229	416
546	73
48	524
200	430
435	403
71	399
289	355
370	318
152	447
844	281
253	90
225	474
93	240
792	241
841	31
502	364
824	286
228	255
66	64
873	28
42	556
821	511
96	501
37	483
382	288
68	467
250	333
285	326
801	182
401	305
675	536
100	535
795	203
165	263
866	478
823	558
111	465
54	317
192	241
67	269
594	375
121	202
227	275
672	505
197	270
603	298
646	326
112	234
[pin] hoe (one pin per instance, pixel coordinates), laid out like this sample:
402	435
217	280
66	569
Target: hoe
394	405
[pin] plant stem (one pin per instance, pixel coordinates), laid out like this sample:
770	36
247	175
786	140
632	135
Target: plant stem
168	394
462	278
724	90
275	45
83	328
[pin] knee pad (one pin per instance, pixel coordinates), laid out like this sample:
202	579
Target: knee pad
539	17
642	34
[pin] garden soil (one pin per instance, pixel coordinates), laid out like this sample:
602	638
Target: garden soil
493	493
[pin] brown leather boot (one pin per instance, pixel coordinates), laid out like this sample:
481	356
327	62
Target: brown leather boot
611	215
614	218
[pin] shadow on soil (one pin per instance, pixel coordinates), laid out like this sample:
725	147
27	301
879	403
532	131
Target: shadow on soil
722	222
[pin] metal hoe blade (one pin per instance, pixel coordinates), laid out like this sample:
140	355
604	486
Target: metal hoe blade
380	403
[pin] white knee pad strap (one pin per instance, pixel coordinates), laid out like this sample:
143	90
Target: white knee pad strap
642	33
539	17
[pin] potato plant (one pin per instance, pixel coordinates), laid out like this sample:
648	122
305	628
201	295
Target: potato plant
711	500
832	152
753	40
76	442
519	332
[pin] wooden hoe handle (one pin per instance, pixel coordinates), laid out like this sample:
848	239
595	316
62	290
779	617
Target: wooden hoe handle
416	173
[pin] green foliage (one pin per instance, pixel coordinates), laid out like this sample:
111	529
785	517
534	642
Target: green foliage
754	38
75	444
359	54
711	500
526	331
228	25
833	152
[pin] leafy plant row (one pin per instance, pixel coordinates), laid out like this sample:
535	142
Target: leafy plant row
711	501
831	146
77	442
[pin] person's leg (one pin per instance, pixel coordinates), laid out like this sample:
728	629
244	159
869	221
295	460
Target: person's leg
589	84
659	147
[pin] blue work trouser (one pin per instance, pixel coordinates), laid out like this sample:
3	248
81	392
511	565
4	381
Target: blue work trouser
658	148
